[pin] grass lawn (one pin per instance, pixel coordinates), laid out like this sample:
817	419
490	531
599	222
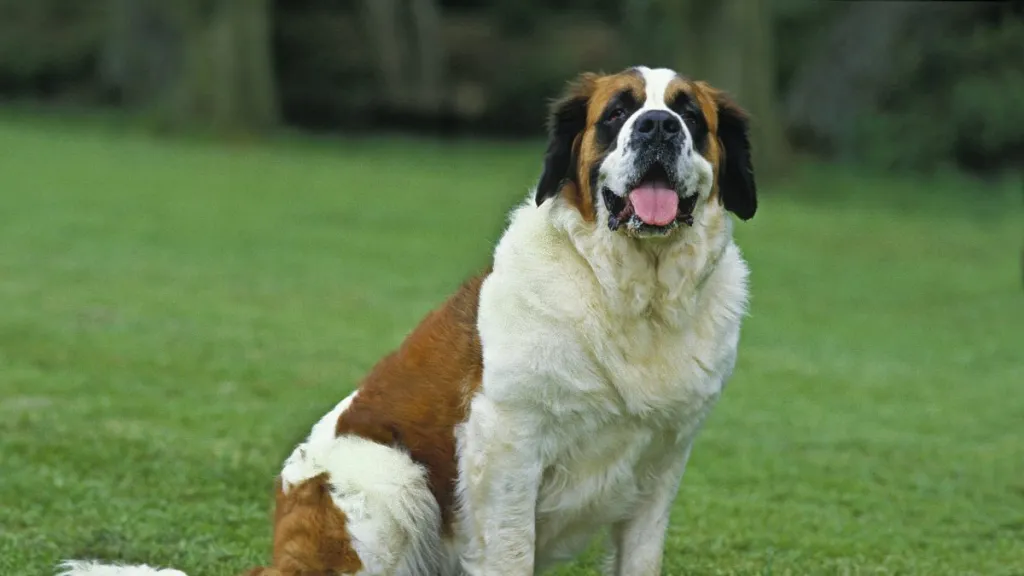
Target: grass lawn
174	316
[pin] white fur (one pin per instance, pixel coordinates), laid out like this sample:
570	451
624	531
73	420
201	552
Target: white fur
309	458
393	518
602	356
79	568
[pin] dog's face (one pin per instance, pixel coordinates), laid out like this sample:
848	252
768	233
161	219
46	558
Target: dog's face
644	150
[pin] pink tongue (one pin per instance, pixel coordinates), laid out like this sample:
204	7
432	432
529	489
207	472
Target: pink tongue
655	205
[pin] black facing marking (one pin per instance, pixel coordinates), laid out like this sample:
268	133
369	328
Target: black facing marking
690	111
736	181
614	116
619	108
568	118
595	173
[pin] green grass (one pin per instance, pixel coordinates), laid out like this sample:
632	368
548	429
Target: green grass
174	316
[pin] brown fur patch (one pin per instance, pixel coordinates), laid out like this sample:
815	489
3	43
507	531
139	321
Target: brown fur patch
597	91
416	395
606	87
310	536
707	98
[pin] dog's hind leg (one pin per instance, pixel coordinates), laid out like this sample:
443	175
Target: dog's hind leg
368	511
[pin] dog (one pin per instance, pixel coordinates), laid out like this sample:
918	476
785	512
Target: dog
555	397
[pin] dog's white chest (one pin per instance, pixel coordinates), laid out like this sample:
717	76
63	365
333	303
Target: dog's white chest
599	366
656	372
595	481
617	432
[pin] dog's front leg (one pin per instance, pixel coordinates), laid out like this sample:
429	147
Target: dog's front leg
639	541
499	476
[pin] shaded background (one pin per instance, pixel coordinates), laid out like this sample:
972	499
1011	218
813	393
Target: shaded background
894	84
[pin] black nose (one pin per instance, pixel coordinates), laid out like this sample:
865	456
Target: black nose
658	126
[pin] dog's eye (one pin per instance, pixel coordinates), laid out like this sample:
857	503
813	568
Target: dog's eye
694	118
689	111
689	114
616	115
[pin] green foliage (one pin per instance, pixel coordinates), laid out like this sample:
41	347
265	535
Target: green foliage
176	315
179	64
799	26
544	63
48	47
956	96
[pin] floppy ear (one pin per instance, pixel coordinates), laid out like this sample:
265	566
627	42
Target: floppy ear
736	186
567	119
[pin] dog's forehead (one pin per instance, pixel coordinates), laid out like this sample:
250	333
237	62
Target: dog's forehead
660	86
650	88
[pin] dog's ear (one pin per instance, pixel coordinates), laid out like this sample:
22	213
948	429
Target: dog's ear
736	186
566	120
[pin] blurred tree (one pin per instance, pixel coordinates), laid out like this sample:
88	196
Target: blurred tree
861	80
843	76
742	61
516	17
408	42
427	28
915	85
203	63
47	48
384	31
141	57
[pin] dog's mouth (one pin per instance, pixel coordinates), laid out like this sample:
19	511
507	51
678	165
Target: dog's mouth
653	204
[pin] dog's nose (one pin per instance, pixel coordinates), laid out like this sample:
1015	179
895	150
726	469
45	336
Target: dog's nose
658	126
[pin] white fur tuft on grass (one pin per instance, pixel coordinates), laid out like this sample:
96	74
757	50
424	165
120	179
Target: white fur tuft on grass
88	568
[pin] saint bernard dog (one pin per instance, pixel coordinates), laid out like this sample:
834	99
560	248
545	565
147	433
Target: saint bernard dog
557	396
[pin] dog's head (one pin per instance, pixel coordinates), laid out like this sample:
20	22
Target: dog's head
644	150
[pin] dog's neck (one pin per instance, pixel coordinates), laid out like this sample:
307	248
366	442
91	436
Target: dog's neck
657	278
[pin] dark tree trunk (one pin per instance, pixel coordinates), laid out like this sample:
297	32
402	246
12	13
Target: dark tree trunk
143	54
384	30
427	25
408	46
